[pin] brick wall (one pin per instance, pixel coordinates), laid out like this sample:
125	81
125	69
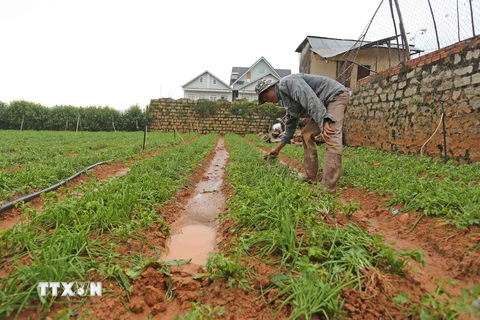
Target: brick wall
400	108
182	115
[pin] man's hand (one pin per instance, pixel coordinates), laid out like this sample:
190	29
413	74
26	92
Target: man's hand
327	131
274	153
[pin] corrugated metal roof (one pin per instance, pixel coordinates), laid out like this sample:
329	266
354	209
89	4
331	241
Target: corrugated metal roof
328	47
331	47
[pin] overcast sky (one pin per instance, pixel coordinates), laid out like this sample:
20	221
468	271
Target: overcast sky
119	53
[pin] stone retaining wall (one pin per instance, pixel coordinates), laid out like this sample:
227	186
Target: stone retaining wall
183	115
400	108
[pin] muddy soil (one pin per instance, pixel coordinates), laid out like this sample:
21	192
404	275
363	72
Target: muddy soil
9	218
450	253
197	206
447	251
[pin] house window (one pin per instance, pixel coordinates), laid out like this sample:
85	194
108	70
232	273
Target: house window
262	68
362	72
249	76
213	97
191	96
214	81
201	96
201	79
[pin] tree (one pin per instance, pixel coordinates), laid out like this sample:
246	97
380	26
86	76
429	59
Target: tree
133	119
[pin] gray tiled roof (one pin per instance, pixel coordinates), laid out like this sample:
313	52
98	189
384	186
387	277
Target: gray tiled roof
241	70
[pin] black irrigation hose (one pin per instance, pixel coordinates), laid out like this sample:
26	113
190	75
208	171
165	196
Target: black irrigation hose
54	187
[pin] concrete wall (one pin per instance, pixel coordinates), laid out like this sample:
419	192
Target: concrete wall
320	66
400	108
305	58
377	59
168	115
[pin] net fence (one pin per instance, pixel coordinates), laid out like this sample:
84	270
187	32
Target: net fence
400	30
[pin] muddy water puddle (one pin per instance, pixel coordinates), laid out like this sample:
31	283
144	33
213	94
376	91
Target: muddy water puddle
194	233
192	242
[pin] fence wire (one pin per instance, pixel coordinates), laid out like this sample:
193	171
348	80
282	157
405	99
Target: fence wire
428	25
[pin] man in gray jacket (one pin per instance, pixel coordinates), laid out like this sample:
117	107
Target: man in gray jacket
325	101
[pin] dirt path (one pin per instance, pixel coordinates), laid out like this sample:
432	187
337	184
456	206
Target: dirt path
194	232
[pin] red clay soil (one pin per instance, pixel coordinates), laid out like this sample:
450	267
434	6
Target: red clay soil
450	253
150	288
446	255
10	217
108	307
12	169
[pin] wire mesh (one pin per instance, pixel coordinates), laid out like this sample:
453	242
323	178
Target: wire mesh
428	25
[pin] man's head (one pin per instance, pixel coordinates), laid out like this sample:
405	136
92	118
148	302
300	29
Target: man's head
266	91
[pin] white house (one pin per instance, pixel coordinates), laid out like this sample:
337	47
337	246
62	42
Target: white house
207	86
242	83
243	80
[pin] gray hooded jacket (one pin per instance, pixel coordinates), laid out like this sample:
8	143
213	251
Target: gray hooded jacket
305	95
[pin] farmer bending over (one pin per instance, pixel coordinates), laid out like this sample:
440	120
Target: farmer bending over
325	101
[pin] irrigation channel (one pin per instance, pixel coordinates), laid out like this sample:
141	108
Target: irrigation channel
194	232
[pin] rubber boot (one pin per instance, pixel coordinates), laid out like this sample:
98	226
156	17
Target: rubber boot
310	164
332	167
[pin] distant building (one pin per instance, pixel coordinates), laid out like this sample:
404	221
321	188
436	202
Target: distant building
207	86
328	56
242	82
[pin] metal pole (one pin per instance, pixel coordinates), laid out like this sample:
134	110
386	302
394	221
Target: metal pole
434	24
471	16
402	30
21	124
458	22
78	121
389	55
396	32
145	128
444	135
